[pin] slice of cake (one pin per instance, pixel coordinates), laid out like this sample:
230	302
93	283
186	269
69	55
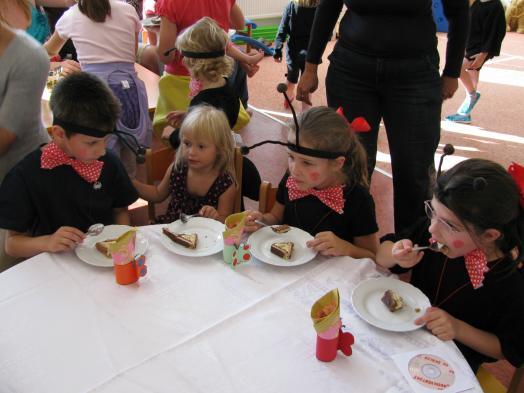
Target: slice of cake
392	300
103	247
281	228
188	240
283	250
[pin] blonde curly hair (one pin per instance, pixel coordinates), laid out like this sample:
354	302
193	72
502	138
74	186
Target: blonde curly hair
307	3
205	36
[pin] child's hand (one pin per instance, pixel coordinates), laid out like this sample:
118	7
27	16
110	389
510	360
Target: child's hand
256	57
249	224
402	252
277	56
65	238
440	323
250	69
329	244
479	59
175	118
209	212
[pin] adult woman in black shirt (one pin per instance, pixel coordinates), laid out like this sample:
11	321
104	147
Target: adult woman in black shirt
385	65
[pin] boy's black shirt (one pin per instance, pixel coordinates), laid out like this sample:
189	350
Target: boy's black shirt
39	201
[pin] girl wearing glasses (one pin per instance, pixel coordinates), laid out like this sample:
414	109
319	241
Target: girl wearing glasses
474	281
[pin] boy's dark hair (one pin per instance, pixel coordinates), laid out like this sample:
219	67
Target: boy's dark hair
85	100
483	194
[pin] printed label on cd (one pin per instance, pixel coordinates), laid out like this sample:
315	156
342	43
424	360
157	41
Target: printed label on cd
431	371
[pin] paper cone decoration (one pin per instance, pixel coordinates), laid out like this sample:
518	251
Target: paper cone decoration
127	268
325	314
517	173
236	251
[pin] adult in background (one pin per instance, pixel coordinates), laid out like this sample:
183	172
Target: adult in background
385	65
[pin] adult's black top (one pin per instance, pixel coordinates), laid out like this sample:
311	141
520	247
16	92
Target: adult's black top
391	29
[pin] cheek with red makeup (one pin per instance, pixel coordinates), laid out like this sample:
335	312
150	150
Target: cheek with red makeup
457	244
314	176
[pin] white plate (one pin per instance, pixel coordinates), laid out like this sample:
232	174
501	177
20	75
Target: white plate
151	21
366	299
262	239
88	253
209	236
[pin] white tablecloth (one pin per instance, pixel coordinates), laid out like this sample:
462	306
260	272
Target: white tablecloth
191	325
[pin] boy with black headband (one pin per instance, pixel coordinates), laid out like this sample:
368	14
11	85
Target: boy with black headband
50	198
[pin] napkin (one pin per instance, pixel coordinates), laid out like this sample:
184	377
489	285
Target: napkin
325	314
128	268
236	251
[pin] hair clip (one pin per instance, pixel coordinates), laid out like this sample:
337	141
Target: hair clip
479	183
517	173
358	124
448	150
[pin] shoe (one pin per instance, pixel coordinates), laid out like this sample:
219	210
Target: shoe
468	104
459	118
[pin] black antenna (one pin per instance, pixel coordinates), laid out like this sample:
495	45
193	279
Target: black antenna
282	88
448	150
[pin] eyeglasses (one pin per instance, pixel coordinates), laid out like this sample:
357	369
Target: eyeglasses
432	215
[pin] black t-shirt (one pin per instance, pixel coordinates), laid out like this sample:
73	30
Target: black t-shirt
488	28
39	201
496	307
313	216
391	29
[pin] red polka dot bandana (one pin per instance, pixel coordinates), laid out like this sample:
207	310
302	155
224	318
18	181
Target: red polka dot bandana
53	156
332	197
477	266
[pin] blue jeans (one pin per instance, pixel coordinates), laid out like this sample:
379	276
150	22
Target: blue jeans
406	94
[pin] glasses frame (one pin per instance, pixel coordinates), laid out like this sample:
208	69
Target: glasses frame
432	215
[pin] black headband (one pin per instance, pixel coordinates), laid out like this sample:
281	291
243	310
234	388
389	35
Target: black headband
71	127
203	55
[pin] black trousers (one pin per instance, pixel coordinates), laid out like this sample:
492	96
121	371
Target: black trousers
406	94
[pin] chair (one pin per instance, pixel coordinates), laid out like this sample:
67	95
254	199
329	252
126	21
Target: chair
490	384
238	174
267	197
157	163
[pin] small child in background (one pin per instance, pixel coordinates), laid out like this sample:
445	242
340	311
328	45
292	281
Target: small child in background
201	180
329	198
473	282
486	31
50	198
297	20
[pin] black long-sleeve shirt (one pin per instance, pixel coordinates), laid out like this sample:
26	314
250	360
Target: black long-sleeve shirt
296	23
391	28
487	29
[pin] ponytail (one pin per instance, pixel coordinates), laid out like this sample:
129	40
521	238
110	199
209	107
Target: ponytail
96	10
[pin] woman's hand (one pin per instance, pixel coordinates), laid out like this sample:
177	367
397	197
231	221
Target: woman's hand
249	224
64	239
329	244
209	212
403	254
440	323
307	84
449	86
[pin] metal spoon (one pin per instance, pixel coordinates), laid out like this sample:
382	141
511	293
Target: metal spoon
261	223
435	246
95	229
185	217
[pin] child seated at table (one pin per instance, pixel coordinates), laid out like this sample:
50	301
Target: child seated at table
201	180
473	282
327	197
51	197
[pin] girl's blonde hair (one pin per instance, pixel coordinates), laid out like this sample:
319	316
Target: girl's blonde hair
205	122
24	5
324	129
205	36
307	3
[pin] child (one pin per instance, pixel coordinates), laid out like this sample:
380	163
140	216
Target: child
486	31
297	20
51	197
203	46
105	34
476	291
328	198
201	180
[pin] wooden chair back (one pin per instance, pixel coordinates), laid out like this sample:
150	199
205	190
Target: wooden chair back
157	163
238	174
490	384
267	197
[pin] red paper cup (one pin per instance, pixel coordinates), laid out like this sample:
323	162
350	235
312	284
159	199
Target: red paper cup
327	349
126	274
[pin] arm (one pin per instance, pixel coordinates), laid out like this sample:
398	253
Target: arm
236	18
237	54
152	193
121	216
22	245
166	40
6	140
54	44
283	31
55	3
275	216
329	244
226	203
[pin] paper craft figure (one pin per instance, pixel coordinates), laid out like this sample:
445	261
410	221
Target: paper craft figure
517	172
127	268
325	314
236	251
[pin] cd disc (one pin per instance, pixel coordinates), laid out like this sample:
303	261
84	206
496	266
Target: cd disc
431	371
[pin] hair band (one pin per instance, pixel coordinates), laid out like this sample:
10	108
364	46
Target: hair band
203	55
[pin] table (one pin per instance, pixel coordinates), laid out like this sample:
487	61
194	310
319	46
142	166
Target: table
150	80
190	325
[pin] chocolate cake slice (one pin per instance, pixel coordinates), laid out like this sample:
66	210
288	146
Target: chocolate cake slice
103	247
281	228
392	300
283	250
188	240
